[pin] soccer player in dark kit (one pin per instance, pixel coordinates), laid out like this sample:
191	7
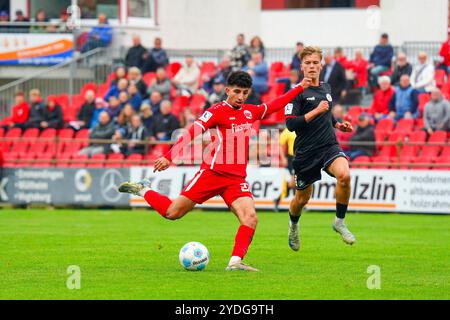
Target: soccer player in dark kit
316	147
224	173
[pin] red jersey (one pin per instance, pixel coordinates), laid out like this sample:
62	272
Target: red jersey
20	113
230	131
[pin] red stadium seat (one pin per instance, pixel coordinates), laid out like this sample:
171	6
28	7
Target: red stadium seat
14	133
404	126
432	151
391	150
382	160
63	160
424	98
423	159
411	151
88	86
383	129
419	124
10	160
134	160
29	138
197	103
276	70
445	151
160	149
354	113
439	76
356	163
173	68
78	161
441	161
102	90
208	67
97	161
82	134
179	104
148	77
46	143
64	140
115	160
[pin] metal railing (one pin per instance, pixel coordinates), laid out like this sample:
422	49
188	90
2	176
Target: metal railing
186	157
65	78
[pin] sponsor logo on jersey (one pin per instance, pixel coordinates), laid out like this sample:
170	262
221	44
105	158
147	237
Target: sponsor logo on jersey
241	127
206	116
288	109
245	187
232	118
248	114
329	97
311	99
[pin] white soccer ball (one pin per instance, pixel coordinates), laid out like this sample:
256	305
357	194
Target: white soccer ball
194	256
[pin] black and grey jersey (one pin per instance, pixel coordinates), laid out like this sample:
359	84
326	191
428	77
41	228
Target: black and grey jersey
318	133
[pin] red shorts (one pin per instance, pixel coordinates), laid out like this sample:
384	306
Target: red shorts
207	184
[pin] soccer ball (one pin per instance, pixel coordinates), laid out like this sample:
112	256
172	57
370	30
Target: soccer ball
194	256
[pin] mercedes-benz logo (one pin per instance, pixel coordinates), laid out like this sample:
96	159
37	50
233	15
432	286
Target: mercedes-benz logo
108	185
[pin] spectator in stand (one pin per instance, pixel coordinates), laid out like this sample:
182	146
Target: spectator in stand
340	57
161	83
259	70
19	113
333	73
187	118
296	63
100	106
104	129
40	24
422	77
402	66
257	46
342	137
291	81
382	99
240	54
359	68
380	60
123	99
135	77
86	113
436	115
135	55
164	124
119	73
134	132
53	115
115	90
146	115
445	54
21	18
404	103
125	115
113	109
218	94
155	58
62	25
100	36
222	74
4	22
36	109
155	102
365	133
188	77
134	96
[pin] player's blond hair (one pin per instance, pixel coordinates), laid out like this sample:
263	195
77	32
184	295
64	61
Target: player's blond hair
308	51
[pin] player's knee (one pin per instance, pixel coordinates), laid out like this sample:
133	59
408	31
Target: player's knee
301	201
344	179
174	213
249	218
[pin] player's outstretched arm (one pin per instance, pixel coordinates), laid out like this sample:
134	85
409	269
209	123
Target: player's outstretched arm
280	102
164	162
294	123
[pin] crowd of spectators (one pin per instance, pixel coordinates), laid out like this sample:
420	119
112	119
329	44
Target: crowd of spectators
139	101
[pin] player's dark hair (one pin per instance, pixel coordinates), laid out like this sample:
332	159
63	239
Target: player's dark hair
240	79
385	36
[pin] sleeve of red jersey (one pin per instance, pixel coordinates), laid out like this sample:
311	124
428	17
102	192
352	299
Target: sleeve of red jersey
278	103
206	121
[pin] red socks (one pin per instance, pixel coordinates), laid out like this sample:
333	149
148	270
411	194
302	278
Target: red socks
158	202
242	241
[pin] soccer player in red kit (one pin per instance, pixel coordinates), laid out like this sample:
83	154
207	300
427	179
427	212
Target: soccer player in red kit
230	123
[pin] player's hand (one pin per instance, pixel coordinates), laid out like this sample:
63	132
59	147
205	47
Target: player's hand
306	83
344	127
323	107
161	164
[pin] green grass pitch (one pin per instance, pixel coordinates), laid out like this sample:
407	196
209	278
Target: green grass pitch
134	255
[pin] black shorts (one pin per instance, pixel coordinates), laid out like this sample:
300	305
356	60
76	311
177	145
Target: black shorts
308	166
290	165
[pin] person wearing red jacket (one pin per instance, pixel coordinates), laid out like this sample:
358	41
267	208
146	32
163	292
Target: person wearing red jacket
359	66
19	112
380	104
445	54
